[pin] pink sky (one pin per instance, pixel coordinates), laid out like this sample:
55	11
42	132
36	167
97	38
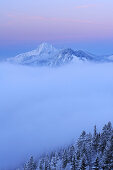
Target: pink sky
55	21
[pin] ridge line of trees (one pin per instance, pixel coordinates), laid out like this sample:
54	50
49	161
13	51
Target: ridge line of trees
90	152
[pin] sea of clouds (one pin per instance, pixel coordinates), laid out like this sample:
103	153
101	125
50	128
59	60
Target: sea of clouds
45	108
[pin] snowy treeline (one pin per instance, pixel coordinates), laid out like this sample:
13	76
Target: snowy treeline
91	151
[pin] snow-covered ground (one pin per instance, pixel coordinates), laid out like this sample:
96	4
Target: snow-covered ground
43	108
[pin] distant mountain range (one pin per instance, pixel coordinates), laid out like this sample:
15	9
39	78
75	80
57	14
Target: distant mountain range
47	55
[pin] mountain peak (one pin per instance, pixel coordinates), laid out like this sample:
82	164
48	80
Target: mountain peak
46	47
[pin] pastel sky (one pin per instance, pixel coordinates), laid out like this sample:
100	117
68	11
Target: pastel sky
84	24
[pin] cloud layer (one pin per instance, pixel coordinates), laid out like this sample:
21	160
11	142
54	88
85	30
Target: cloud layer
43	108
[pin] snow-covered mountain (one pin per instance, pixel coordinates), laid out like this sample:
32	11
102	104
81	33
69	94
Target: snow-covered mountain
43	55
47	55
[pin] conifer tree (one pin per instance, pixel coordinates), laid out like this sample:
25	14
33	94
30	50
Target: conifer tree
31	165
96	164
65	160
83	164
74	163
71	153
41	165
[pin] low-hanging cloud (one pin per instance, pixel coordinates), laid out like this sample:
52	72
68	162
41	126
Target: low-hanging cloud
43	108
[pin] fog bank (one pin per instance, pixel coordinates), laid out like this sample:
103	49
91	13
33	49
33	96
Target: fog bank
43	108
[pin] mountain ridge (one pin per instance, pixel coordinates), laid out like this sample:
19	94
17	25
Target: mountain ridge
47	55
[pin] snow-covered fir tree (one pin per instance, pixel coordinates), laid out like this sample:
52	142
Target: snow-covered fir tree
90	152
